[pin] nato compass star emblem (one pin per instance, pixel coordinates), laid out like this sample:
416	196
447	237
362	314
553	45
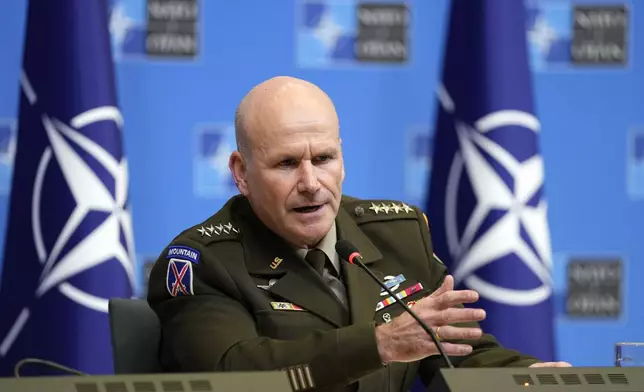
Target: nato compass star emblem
475	246
90	194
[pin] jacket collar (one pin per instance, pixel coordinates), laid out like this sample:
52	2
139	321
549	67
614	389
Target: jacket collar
349	230
267	254
259	261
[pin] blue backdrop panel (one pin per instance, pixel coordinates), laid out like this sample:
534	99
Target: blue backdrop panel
178	115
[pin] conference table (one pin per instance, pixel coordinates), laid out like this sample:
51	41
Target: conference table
587	379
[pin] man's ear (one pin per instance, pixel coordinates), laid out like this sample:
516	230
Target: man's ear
237	165
343	173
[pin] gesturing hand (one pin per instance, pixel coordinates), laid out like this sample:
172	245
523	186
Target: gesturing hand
403	340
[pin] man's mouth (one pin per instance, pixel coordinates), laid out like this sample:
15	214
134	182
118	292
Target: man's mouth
307	209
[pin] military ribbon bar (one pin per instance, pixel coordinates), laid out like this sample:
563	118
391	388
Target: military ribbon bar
285	306
405	293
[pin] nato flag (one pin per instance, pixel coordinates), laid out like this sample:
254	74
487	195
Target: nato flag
69	237
486	205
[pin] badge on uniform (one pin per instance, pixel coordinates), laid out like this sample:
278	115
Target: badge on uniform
276	262
268	286
285	306
405	293
183	252
392	283
386	317
178	279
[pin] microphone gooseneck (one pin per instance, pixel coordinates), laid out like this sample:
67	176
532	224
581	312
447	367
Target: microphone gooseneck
350	253
46	363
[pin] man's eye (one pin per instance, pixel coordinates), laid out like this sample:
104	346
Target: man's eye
287	163
323	158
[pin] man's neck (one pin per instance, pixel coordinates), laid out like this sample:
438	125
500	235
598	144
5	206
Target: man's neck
327	245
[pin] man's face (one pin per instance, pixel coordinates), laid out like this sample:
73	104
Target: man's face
294	177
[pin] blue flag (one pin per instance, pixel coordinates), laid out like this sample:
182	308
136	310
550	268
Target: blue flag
69	245
486	204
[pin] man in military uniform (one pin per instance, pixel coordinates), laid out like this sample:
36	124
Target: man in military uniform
259	285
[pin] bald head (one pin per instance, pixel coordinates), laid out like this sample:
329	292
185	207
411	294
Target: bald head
277	102
289	164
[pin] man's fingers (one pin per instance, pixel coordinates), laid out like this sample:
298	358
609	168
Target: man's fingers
449	332
458	315
453	349
448	285
453	298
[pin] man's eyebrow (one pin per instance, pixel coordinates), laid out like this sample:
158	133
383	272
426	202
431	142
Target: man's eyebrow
327	150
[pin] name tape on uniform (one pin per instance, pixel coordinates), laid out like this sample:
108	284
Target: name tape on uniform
405	293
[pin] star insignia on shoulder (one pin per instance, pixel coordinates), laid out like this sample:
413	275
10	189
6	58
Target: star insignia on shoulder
393	207
217	230
203	232
374	208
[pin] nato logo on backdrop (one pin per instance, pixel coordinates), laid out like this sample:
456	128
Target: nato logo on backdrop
143	29
332	33
212	177
7	153
565	35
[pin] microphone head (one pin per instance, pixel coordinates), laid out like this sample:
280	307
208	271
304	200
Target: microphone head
347	250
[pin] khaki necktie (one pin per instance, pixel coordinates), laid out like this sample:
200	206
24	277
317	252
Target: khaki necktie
318	260
323	266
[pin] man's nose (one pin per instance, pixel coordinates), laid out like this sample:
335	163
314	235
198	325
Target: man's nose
308	181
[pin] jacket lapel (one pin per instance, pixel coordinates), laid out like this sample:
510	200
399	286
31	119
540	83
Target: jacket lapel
302	286
268	255
363	292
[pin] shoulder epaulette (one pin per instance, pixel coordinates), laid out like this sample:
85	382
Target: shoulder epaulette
219	227
216	231
364	211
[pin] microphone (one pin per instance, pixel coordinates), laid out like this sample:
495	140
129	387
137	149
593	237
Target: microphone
350	253
50	364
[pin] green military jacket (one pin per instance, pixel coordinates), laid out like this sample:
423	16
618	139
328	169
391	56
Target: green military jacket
233	296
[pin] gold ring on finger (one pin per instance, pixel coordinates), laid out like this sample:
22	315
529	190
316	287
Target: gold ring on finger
438	336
